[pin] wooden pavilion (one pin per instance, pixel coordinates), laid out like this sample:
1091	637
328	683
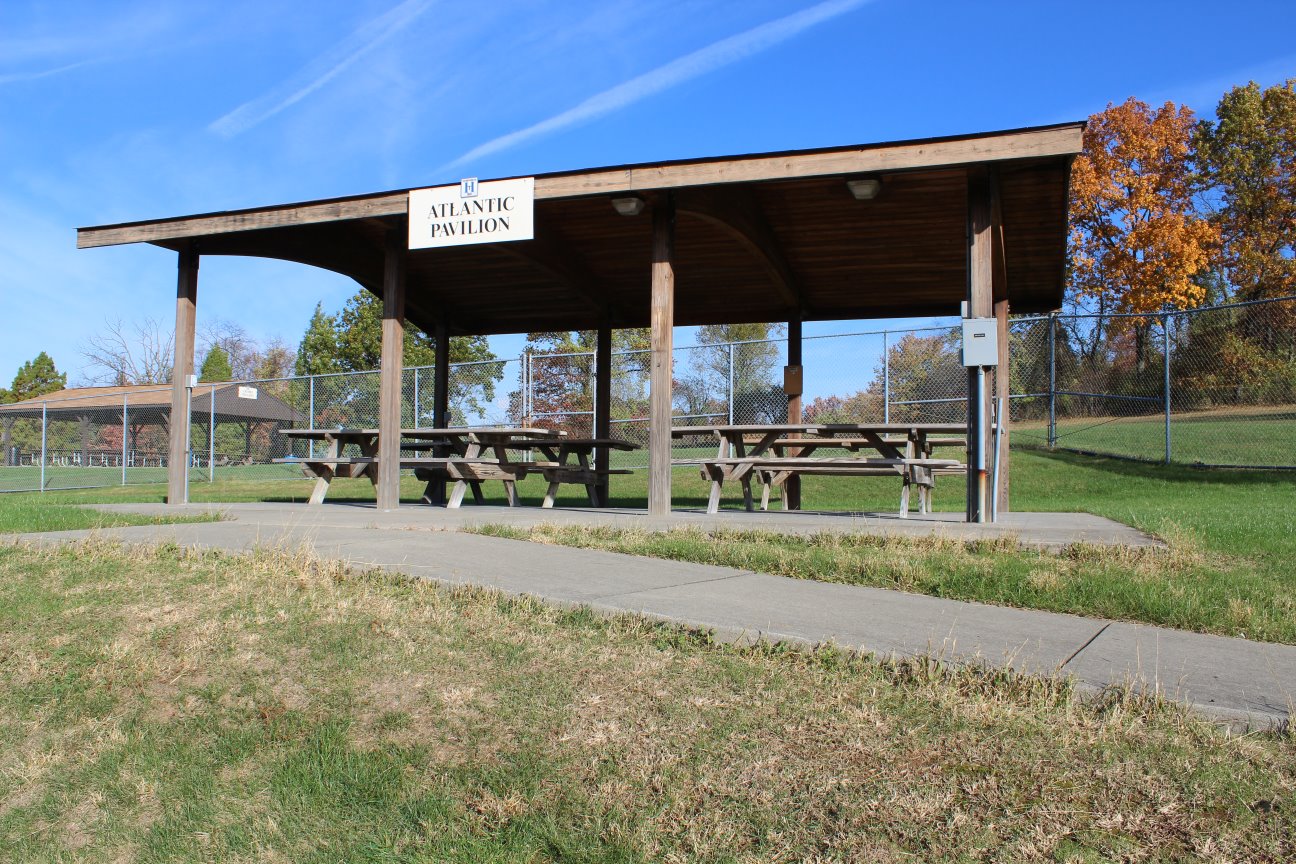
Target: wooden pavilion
791	236
137	407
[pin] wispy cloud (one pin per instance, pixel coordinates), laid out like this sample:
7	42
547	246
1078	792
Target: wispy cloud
41	73
686	68
119	36
321	70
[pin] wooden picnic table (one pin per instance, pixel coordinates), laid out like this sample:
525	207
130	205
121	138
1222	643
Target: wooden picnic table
465	457
566	460
334	463
464	464
772	453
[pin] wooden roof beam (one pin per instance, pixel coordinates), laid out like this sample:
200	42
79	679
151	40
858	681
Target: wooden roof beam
738	214
1052	141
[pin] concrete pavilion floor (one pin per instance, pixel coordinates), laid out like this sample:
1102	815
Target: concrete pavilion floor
1033	530
1247	684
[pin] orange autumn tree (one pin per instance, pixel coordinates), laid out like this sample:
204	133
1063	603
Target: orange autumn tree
1136	238
1137	241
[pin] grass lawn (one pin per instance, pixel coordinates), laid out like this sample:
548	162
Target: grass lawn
1233	437
1228	571
1233	534
168	706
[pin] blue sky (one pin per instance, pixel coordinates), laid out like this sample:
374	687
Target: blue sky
123	110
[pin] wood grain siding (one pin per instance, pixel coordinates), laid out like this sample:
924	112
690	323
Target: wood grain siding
663	321
603	406
900	254
154	231
980	299
182	367
389	374
1002	392
905	156
1026	144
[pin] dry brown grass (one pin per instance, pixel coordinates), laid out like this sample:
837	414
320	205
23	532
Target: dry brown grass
249	708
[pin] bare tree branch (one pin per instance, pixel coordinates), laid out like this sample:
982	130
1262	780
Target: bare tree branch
137	353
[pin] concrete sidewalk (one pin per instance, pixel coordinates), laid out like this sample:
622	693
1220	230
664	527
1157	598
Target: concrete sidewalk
1250	684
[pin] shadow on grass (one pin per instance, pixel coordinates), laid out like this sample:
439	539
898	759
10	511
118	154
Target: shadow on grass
1173	473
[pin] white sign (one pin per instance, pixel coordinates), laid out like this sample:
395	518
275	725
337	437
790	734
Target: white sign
247	392
491	212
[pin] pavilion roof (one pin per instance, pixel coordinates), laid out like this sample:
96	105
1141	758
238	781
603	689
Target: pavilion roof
762	237
98	402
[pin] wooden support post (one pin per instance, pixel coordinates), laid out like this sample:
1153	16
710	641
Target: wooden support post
663	320
440	401
181	368
980	270
792	486
1003	392
389	373
603	407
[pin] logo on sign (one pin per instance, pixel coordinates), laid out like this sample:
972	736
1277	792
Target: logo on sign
468	187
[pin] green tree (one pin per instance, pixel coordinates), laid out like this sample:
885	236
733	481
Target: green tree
924	368
317	354
216	366
749	369
1248	157
36	378
358	332
351	341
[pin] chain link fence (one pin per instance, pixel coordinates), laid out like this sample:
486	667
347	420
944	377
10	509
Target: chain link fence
1213	386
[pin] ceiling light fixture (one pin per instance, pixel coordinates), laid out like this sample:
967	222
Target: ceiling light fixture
864	188
632	205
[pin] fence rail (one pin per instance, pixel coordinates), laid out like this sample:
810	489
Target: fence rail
1213	386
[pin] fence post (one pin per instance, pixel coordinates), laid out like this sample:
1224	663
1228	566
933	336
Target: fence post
526	388
125	434
188	453
44	426
311	419
886	376
416	396
1165	342
731	383
211	436
1052	394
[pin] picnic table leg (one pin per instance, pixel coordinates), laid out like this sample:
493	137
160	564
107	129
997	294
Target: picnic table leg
510	493
550	494
321	485
591	489
747	493
456	494
765	493
717	482
470	451
429	491
322	482
904	494
926	484
478	497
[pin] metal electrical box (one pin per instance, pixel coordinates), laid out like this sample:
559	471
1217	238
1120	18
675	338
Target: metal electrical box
980	342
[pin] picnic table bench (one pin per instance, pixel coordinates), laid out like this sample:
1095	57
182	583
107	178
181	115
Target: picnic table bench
564	470
772	454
